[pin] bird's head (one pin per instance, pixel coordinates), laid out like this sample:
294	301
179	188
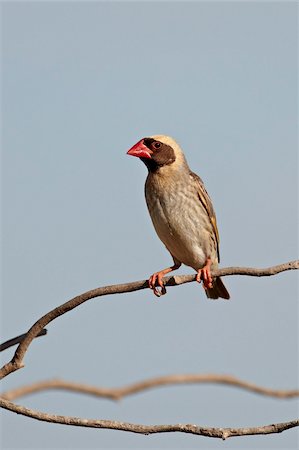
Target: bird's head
158	151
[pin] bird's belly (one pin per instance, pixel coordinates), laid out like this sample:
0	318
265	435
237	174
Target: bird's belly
184	231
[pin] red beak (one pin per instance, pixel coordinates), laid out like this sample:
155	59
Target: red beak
140	150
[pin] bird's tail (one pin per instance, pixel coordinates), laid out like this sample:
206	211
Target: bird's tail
218	290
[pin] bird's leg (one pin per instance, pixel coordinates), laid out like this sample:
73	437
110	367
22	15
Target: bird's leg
157	277
204	275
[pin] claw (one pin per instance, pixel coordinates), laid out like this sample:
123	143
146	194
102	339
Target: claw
204	275
159	292
157	276
198	276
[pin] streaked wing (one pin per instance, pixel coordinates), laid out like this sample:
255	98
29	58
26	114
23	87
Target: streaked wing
207	204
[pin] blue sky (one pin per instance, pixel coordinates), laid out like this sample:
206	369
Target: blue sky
81	83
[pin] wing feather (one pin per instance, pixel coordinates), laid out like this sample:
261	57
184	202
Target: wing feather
207	204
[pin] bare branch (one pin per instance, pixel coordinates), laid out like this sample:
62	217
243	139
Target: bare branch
222	433
17	360
14	341
121	392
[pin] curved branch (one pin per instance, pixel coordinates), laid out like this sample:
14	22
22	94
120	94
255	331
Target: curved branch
222	433
151	383
17	360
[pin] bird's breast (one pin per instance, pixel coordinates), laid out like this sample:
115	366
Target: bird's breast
180	220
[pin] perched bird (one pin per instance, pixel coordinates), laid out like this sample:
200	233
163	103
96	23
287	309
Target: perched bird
181	211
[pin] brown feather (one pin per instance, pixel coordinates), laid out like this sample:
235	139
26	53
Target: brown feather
207	203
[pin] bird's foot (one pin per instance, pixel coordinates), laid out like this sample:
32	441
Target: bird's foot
205	276
157	278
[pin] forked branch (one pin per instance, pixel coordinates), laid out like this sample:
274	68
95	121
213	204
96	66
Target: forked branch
223	433
18	339
17	360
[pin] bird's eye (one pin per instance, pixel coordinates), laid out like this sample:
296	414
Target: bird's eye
157	144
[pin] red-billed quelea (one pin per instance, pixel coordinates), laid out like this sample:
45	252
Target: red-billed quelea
181	211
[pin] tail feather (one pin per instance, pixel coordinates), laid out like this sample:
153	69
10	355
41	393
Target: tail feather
218	290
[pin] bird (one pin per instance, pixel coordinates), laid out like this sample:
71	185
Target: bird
182	213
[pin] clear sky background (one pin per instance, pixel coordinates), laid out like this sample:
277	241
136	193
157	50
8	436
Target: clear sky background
81	83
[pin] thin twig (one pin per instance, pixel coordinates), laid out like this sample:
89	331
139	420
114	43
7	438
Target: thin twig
16	340
222	433
151	383
17	360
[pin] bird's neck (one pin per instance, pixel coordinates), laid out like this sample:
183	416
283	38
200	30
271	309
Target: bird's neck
167	176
